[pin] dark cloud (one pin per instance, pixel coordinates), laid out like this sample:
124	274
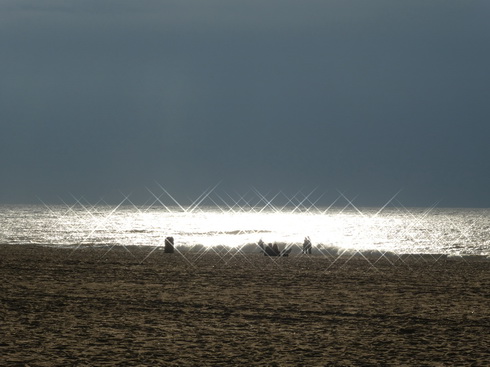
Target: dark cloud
364	97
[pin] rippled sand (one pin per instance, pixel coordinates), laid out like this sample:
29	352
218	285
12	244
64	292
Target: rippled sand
91	307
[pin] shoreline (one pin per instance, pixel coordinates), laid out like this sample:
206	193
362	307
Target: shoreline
97	307
252	249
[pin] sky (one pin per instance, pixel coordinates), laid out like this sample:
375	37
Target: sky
103	98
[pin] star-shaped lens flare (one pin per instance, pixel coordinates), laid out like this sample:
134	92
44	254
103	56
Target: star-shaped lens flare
247	227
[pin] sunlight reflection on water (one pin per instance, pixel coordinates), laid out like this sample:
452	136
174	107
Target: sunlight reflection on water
442	231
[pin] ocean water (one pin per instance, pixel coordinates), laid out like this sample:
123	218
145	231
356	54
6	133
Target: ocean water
394	230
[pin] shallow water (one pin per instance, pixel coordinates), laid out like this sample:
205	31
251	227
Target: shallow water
397	230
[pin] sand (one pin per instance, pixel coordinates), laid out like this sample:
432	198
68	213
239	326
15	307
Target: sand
91	307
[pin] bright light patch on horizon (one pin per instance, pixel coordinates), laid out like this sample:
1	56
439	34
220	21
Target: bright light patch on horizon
234	223
215	226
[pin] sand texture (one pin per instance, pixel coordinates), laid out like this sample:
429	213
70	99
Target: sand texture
91	307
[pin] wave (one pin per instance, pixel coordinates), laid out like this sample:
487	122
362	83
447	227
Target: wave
232	232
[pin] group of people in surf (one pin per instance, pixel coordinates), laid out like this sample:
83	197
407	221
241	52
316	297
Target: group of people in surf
272	249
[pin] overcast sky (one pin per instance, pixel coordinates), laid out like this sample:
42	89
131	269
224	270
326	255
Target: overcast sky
366	97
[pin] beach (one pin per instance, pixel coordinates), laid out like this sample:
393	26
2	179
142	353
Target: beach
132	306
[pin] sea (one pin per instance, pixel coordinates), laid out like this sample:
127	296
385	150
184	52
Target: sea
398	230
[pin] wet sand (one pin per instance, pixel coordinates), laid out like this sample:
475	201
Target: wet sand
91	307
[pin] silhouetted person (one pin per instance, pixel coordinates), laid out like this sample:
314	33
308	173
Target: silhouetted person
269	250
275	249
262	246
286	251
307	246
169	245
